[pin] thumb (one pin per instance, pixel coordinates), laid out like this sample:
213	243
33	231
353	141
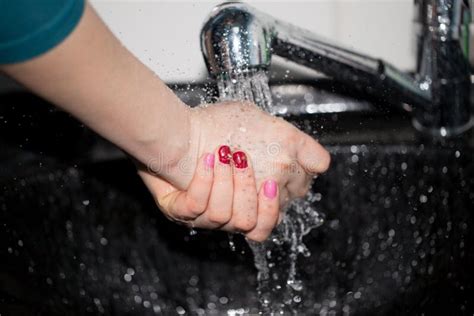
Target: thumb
311	155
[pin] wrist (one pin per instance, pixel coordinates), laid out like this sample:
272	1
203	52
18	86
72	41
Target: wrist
163	147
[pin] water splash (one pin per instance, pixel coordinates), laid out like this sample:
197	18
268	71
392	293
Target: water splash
251	85
276	258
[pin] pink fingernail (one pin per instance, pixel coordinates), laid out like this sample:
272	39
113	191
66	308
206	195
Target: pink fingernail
209	161
270	189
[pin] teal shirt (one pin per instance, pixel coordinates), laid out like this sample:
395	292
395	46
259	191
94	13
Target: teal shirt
29	28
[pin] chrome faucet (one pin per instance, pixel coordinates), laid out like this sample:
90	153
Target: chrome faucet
237	38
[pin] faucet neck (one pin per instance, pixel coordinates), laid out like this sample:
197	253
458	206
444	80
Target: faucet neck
237	38
444	19
443	65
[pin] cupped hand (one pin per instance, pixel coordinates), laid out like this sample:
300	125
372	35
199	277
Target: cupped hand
222	195
278	150
225	197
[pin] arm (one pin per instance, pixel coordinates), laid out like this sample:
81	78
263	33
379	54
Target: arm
92	76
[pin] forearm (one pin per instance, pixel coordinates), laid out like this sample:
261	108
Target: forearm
92	76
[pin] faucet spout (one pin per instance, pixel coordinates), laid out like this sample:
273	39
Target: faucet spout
237	38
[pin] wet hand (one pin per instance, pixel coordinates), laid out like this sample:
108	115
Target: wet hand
221	195
278	150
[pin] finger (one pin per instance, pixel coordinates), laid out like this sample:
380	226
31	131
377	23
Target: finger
312	156
219	207
268	211
187	205
244	205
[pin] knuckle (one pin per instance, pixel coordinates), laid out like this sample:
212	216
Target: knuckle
245	224
219	217
165	201
194	207
165	204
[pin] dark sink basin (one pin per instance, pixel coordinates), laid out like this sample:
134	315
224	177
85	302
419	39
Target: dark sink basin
80	235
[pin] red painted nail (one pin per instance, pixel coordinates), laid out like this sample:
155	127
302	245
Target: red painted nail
240	159
224	154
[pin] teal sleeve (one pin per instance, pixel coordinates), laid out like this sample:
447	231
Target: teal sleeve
29	28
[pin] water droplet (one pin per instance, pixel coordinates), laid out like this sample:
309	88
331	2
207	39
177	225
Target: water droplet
223	300
423	198
231	242
180	310
104	241
137	299
296	285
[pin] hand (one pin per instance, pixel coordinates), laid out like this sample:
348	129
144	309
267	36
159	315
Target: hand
278	150
221	195
226	198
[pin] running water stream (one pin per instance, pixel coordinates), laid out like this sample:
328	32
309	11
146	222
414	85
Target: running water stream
250	85
276	258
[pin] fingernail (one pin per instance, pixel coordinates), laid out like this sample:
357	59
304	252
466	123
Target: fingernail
224	154
270	189
209	161
240	159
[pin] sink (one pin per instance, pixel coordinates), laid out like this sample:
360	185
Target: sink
80	232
